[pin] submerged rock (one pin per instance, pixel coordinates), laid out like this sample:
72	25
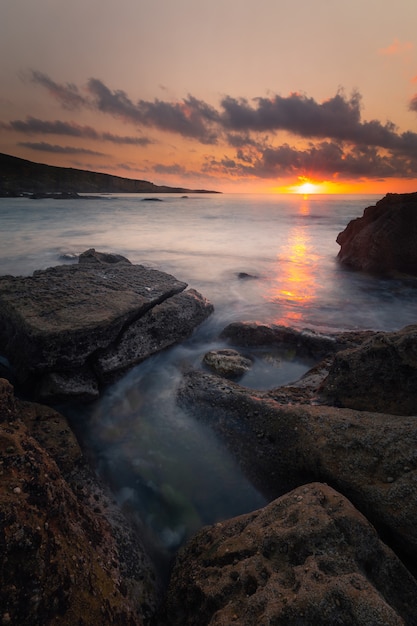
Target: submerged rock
67	554
384	239
228	363
69	329
307	558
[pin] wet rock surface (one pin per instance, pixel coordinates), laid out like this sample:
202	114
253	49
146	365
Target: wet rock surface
70	329
68	555
228	363
383	239
307	558
289	436
380	375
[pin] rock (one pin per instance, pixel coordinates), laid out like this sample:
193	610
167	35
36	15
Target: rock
170	322
383	239
68	555
307	558
303	343
228	363
380	375
246	276
281	445
62	328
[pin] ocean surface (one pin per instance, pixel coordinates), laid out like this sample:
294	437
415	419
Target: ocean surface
164	466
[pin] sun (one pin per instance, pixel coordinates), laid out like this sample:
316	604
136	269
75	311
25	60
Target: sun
306	188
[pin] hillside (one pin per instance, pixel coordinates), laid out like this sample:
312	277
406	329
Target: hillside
18	176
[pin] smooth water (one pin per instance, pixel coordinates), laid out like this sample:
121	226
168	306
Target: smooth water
162	464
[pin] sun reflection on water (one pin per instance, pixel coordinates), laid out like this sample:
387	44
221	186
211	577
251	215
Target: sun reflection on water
295	281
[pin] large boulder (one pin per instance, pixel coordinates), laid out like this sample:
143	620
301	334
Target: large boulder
384	239
69	329
379	375
369	457
307	558
67	554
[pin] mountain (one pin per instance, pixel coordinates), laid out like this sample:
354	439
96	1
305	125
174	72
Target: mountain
18	176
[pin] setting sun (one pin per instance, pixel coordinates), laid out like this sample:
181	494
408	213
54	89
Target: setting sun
306	188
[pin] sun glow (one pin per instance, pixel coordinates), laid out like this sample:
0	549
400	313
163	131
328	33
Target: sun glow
306	188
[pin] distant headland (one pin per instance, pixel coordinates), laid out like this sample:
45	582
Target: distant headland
21	177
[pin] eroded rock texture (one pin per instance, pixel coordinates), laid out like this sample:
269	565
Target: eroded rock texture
307	558
67	555
69	329
384	239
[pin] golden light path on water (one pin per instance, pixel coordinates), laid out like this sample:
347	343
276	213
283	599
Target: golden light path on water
296	282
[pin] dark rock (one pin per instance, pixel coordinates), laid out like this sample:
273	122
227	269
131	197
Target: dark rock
246	276
369	457
307	558
384	239
61	328
303	343
228	363
67	554
380	375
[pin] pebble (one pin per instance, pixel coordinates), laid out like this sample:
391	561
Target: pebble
17	490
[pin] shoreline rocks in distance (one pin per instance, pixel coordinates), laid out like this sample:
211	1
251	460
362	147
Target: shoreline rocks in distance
70	329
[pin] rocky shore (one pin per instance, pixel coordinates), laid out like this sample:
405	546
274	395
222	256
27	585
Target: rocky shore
335	454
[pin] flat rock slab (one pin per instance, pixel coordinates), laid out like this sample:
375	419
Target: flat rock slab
59	322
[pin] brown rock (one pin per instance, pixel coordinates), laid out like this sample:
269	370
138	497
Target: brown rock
67	554
307	558
59	326
383	240
228	363
380	375
302	343
369	457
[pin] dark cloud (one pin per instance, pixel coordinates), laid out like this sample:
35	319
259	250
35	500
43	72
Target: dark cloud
340	142
326	160
34	126
47	147
189	117
413	103
68	95
175	168
337	118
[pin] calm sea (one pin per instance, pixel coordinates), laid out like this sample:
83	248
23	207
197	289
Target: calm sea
162	464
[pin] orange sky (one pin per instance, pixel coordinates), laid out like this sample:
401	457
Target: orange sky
232	95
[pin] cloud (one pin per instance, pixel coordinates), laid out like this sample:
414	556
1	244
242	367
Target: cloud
175	168
34	126
413	103
338	141
68	95
320	161
188	117
396	48
47	147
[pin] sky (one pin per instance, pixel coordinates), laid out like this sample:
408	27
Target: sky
231	95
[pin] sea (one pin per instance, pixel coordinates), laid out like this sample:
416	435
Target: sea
265	258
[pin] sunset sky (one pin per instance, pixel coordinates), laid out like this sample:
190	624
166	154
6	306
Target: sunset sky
232	95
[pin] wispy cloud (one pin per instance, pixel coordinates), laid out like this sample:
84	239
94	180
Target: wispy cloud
47	147
396	48
68	94
189	117
35	126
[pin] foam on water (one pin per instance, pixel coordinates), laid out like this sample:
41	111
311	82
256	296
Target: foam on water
163	464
